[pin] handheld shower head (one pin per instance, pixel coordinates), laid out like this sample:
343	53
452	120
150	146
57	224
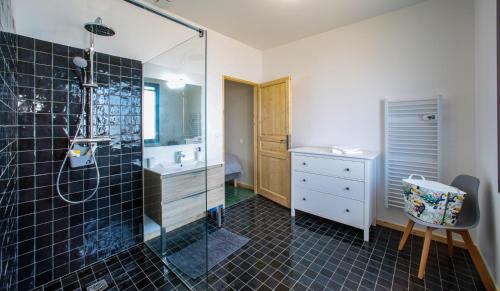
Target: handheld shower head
80	62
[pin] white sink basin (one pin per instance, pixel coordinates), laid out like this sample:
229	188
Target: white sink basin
167	169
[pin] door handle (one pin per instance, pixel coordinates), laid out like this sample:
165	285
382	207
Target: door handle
286	141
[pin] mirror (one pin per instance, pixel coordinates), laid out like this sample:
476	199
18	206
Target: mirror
172	108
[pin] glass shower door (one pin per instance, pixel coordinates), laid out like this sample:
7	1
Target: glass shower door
175	168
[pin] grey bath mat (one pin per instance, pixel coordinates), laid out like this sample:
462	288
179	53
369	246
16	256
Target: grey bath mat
191	260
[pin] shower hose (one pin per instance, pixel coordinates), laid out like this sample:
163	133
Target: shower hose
92	149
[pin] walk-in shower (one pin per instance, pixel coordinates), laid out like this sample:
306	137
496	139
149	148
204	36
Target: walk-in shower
93	102
81	151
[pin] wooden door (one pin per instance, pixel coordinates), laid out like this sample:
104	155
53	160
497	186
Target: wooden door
273	132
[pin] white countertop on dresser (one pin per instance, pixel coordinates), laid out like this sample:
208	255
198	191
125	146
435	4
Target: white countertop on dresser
366	155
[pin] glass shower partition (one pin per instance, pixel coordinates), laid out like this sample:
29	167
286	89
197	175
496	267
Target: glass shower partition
175	168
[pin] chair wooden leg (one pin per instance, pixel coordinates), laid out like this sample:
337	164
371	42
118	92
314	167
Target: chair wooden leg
449	238
235	183
476	258
425	253
406	234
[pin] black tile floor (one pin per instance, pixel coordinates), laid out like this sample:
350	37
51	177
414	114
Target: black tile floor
138	268
305	253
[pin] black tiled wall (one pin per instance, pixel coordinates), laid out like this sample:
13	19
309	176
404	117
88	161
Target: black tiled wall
56	238
8	149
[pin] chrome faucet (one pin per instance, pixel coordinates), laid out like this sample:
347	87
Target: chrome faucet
178	157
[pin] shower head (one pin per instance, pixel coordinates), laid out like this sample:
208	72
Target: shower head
80	62
98	28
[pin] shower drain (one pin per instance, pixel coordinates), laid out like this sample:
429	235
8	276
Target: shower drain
98	286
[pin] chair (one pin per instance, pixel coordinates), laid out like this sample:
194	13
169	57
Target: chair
468	219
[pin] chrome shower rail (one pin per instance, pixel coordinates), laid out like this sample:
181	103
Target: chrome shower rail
200	30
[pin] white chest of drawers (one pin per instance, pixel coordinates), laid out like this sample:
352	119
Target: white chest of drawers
337	187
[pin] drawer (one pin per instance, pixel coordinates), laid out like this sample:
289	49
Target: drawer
187	184
215	197
183	211
331	167
215	177
329	206
331	185
181	186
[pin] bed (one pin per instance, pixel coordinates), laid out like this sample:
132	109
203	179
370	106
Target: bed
232	169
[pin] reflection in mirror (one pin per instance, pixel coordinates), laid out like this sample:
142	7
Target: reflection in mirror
173	112
151	99
174	96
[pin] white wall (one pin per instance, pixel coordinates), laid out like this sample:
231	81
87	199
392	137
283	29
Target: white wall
226	57
488	232
238	127
339	79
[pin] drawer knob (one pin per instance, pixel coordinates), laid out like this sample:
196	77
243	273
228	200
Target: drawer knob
347	210
303	198
304	163
347	188
303	180
347	169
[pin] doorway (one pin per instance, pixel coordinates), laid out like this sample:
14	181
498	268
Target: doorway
257	131
239	140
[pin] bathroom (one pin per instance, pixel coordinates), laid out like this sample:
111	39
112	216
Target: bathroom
117	122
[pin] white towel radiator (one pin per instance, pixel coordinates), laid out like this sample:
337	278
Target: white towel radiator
412	144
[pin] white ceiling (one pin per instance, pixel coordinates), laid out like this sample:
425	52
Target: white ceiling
268	23
140	35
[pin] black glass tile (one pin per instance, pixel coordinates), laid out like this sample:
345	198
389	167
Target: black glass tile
26	55
61	61
25	42
43	82
60	73
113	60
57	238
25	80
44	71
114	70
43	58
43	46
25	68
75	52
59	49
